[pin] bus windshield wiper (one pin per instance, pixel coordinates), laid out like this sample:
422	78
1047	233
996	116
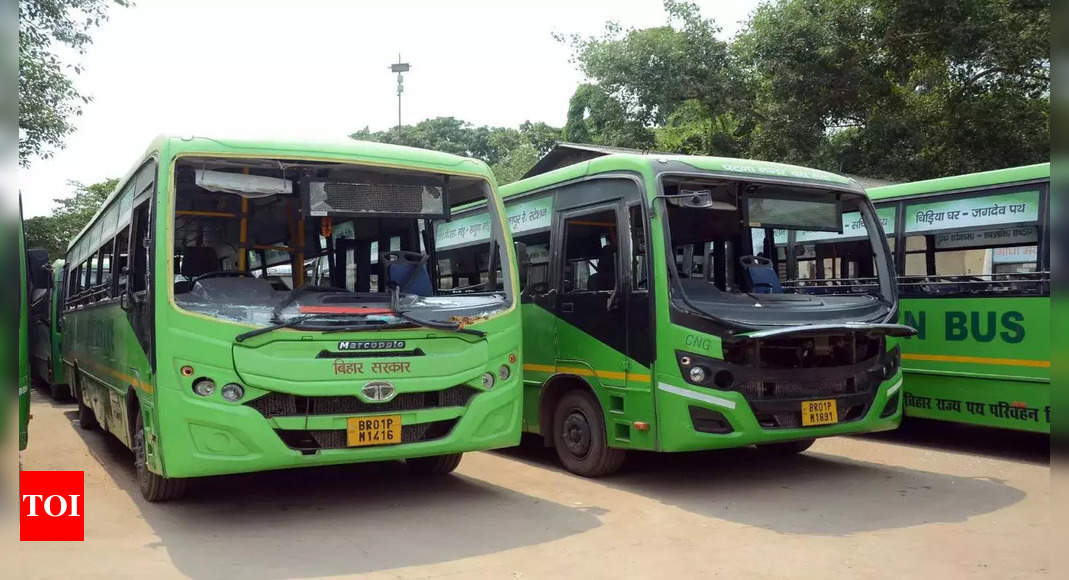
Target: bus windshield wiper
298	323
291	323
395	305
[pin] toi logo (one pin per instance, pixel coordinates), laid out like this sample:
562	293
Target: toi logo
51	506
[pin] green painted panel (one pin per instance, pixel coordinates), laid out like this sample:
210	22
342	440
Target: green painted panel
986	351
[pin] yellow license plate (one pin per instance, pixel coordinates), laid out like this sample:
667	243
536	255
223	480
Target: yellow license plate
823	412
381	430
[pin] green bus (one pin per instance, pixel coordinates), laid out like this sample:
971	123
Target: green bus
663	312
973	260
238	306
46	361
22	291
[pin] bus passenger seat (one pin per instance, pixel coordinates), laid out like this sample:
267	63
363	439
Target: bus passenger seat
410	275
761	277
605	277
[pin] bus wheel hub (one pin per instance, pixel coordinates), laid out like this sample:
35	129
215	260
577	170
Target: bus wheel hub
576	434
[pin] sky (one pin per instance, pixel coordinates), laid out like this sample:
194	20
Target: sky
307	69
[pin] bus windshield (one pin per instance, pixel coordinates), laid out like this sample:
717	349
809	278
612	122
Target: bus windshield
327	246
757	254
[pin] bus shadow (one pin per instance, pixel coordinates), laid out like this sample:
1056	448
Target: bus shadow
1020	446
341	520
810	494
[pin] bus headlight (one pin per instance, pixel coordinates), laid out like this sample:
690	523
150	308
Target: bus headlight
503	373
204	387
232	392
697	374
488	381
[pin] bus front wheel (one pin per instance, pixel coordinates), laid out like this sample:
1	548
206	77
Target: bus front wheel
579	436
154	487
435	465
788	447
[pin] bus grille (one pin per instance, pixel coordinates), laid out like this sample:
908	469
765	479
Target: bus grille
287	405
315	439
756	390
788	414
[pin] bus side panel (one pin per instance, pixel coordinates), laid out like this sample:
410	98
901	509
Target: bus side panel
56	311
102	343
979	360
539	352
596	363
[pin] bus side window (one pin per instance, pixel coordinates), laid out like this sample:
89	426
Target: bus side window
140	256
105	268
590	253
638	249
122	247
86	269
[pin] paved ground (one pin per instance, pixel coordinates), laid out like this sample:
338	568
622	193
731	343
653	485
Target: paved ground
928	501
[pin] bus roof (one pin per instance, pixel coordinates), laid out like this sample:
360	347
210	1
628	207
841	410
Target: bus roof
641	161
348	150
959	182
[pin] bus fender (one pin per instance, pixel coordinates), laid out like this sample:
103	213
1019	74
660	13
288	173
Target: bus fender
552	390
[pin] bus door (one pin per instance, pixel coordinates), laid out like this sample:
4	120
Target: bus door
590	314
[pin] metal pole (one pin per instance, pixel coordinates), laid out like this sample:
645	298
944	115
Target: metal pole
400	68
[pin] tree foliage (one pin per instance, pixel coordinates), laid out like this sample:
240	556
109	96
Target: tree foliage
48	98
54	232
509	152
904	89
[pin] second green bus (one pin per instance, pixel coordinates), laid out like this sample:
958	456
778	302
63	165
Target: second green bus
677	303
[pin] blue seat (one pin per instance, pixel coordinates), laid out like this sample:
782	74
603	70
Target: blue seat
761	277
408	272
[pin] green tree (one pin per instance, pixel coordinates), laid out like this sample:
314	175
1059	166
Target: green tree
509	152
595	116
54	232
901	88
643	77
48	99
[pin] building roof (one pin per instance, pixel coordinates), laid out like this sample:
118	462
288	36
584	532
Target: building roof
566	153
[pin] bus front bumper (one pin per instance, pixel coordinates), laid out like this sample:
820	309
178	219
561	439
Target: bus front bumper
695	418
202	438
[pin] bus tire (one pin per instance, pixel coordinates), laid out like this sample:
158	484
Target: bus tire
154	487
434	465
58	391
787	447
87	419
579	436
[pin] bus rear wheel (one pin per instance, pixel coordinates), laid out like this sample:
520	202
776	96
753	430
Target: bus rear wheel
59	392
154	487
787	447
579	436
434	465
86	418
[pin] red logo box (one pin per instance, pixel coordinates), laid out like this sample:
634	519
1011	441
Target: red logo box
51	506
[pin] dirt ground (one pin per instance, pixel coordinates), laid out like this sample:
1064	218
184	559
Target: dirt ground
927	501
